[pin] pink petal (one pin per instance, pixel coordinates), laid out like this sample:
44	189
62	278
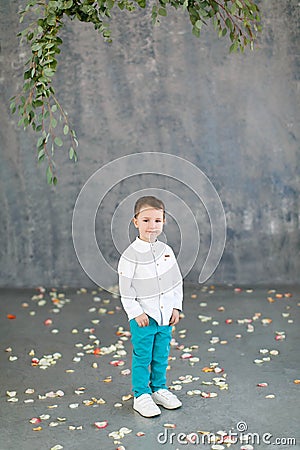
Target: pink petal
101	425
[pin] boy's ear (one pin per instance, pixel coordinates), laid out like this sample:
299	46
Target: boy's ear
134	220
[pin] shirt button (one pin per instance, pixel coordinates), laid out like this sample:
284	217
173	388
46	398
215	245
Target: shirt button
161	307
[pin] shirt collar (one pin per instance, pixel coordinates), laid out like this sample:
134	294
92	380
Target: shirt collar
143	246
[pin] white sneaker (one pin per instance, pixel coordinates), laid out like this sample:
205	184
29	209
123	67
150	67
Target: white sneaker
166	399
145	405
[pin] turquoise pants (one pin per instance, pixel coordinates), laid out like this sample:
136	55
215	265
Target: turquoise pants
151	346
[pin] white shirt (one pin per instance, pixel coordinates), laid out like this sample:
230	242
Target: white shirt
150	281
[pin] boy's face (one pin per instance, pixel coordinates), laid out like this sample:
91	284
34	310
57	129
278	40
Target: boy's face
150	222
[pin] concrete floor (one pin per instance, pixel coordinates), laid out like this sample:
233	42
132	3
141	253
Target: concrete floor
243	403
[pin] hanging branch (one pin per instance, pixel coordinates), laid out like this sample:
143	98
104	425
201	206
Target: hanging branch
37	104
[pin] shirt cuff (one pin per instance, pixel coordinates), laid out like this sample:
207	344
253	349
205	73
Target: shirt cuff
132	308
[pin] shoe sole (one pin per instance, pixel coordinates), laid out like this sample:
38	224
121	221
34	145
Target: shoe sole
148	417
168	407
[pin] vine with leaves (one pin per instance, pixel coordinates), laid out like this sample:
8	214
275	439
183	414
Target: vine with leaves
37	104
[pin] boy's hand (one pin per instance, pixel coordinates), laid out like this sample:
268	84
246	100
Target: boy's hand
175	317
142	320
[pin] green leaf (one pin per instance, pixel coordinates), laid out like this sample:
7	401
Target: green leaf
66	130
36	46
198	24
48	72
13	107
40	142
185	5
58	141
37	103
71	153
196	32
228	23
234	47
41	154
27	74
54	108
51	20
53	122
49	175
162	12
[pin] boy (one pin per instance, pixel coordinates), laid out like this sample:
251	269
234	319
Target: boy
150	285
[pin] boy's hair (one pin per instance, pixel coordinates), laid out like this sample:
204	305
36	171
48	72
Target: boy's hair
148	200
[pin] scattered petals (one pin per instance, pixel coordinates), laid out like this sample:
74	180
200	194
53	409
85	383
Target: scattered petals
101	425
35	420
107	380
11	393
266	321
117	363
29	391
48	322
186	356
140	433
11	316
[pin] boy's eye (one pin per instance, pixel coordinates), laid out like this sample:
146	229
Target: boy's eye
158	220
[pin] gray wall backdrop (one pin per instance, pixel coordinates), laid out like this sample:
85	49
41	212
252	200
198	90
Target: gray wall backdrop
234	116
